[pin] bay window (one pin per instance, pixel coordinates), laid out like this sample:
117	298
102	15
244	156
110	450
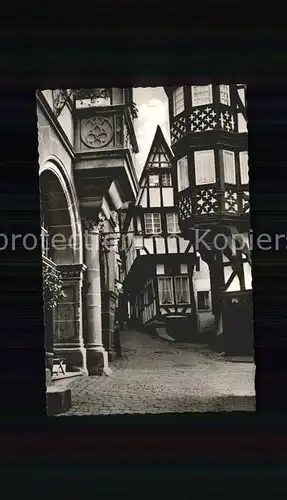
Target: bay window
201	95
182	173
204	163
178	101
152	223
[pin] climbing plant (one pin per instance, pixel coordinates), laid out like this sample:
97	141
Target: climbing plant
53	293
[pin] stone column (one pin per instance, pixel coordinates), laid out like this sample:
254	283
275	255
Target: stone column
97	357
69	341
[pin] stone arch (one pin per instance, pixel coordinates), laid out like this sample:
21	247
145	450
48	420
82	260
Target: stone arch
60	214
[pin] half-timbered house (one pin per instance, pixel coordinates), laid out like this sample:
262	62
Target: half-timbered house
208	126
166	283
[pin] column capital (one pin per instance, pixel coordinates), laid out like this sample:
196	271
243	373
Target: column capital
95	224
73	272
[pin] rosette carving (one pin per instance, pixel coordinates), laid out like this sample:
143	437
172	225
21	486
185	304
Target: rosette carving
97	132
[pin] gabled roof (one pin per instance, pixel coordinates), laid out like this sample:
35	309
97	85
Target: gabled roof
159	145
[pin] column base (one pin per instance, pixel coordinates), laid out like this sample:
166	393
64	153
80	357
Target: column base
97	362
48	377
75	358
49	356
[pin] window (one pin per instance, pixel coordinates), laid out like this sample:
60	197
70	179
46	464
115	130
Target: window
181	284
203	300
197	263
152	223
183	269
244	174
154	180
201	94
165	290
229	167
224	94
182	173
159	269
178	101
159	158
204	167
172	223
166	179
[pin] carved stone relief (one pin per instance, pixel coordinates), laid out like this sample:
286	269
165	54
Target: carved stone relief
97	223
97	132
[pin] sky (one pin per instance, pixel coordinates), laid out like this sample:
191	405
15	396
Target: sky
152	105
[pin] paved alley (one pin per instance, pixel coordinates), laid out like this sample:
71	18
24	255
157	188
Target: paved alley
156	376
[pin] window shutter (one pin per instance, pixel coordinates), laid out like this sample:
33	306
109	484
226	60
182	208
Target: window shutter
204	167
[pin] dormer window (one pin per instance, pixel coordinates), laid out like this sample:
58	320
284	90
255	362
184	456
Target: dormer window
178	101
201	95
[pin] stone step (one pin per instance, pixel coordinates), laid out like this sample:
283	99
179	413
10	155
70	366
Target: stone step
59	400
161	332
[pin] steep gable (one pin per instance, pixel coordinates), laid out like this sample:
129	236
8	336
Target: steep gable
159	160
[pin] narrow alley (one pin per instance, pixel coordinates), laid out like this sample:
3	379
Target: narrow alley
156	376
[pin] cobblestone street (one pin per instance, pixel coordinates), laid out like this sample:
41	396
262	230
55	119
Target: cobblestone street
156	376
